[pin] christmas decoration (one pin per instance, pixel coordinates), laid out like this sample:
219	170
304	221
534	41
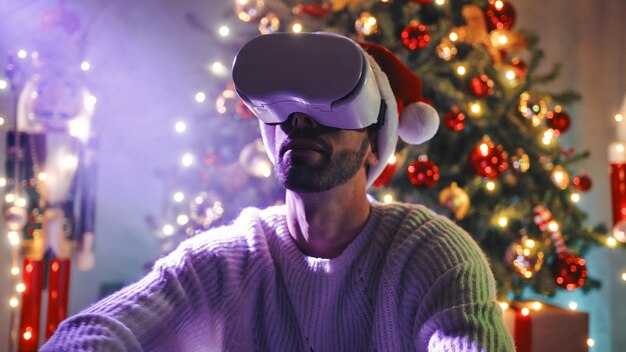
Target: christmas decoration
619	231
366	24
446	50
423	172
270	23
489	159
533	109
415	36
582	182
206	208
455	199
558	120
617	174
501	14
520	160
481	86
249	10
560	177
525	257
455	120
520	67
569	270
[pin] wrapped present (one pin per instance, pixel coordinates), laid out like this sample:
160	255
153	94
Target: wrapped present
541	327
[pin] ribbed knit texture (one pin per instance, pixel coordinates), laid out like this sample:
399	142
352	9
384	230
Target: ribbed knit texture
410	281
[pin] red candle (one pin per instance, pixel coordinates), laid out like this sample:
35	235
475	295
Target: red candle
617	173
32	278
58	293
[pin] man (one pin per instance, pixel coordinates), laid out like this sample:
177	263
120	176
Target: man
330	270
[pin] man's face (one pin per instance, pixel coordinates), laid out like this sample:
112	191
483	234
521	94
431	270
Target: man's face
312	158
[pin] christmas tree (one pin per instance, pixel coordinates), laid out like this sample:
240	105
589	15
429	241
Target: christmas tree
496	165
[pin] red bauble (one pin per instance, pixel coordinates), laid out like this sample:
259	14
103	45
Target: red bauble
415	36
455	120
489	159
481	86
385	177
423	173
558	120
570	271
500	14
315	10
582	182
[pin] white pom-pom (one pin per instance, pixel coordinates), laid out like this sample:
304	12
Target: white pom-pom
418	123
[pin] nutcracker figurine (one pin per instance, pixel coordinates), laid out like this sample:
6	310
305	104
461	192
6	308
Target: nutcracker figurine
51	169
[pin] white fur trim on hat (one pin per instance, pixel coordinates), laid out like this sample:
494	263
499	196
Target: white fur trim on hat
418	123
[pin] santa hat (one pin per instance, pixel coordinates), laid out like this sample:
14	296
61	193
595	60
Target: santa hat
415	122
405	116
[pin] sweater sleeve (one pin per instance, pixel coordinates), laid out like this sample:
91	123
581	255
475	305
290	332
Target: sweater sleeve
459	311
145	315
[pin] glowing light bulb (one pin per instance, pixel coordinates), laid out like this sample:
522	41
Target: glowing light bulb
525	311
15	271
388	198
28	335
85	66
504	305
503	40
575	197
611	242
70	162
20	287
3	84
392	159
573	305
503	221
224	31
491	186
475	108
14	238
590	342
168	230
530	243
484	149
180	126
619	117
21	202
187	159
3	182
461	70
182	219
537	305
510	75
624	276
179	197
9	198
499	4
619	148
218	68
453	36
22	54
2	121
548	136
553	226
13	302
297	27
440	2
200	97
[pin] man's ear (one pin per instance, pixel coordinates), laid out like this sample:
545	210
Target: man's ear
373	157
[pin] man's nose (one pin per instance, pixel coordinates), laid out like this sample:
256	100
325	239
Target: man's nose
300	120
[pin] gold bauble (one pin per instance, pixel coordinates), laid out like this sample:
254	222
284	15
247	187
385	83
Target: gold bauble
455	199
525	257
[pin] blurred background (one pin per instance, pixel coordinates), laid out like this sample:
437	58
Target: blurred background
159	73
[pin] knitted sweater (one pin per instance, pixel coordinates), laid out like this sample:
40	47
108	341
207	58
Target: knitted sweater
411	280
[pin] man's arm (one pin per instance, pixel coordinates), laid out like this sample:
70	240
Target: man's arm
142	316
460	313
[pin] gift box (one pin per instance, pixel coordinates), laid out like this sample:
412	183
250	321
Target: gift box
540	327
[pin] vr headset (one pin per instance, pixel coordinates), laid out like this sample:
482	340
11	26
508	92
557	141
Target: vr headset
323	75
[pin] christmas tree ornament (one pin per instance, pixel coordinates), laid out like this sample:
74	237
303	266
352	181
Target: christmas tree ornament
388	172
560	177
533	109
415	36
558	120
619	231
481	86
249	10
520	160
423	172
489	159
254	160
501	14
454	120
520	67
525	257
227	102
366	24
455	199
569	270
582	182
312	9
446	50
205	208
270	23
15	218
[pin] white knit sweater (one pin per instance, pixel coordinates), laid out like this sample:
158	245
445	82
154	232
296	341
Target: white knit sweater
410	280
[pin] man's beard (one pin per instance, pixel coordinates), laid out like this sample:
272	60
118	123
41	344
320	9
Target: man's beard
332	171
